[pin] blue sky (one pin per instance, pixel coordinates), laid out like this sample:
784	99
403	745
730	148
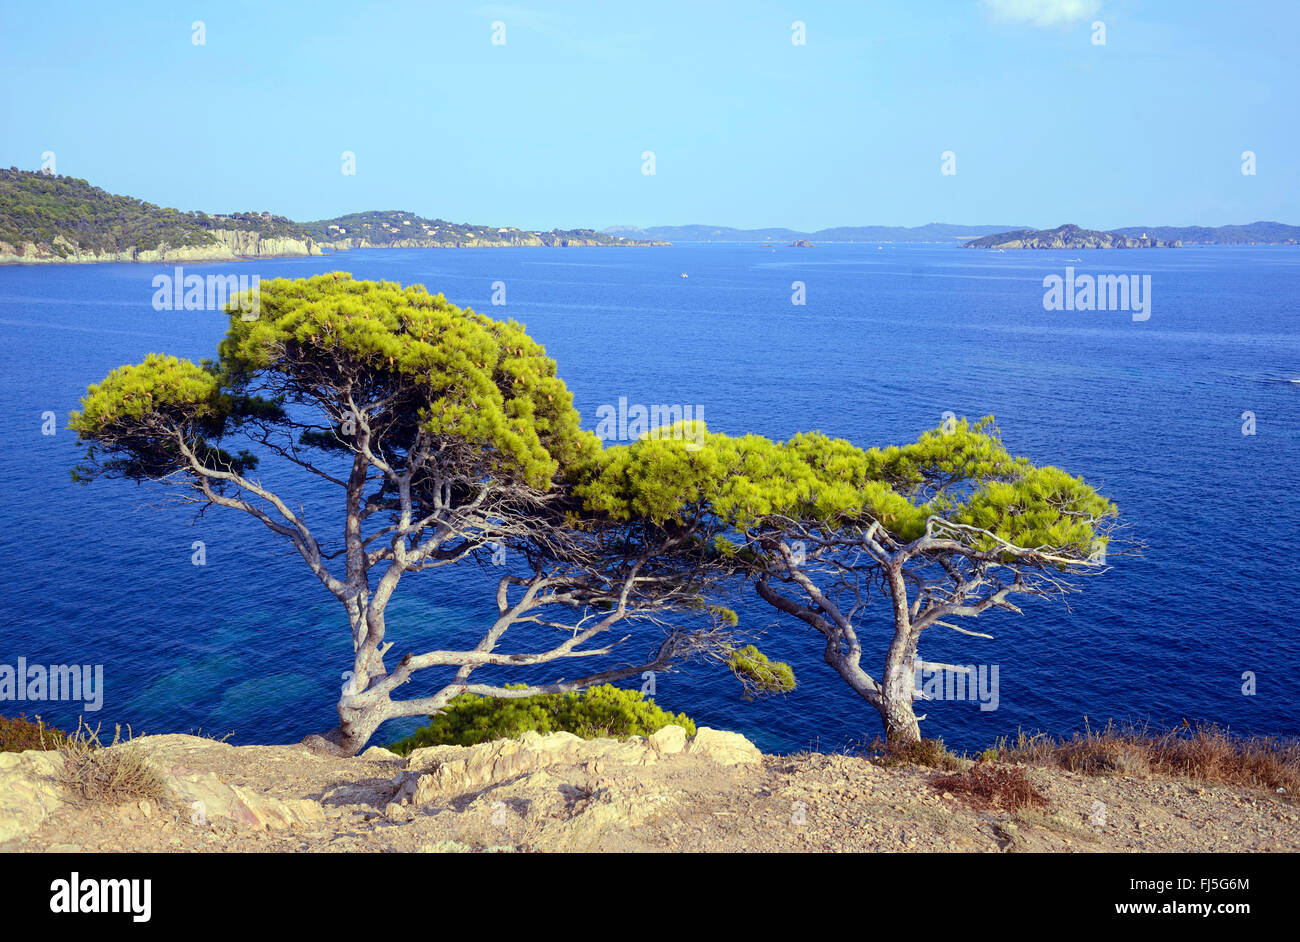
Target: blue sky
747	128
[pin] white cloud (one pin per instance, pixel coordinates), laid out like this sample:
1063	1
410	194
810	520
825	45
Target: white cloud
1041	12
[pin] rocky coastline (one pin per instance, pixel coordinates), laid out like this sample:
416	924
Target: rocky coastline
229	245
243	245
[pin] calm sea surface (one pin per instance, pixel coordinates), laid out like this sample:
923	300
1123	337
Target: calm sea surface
887	342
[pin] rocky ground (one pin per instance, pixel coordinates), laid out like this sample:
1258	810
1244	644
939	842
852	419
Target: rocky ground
714	792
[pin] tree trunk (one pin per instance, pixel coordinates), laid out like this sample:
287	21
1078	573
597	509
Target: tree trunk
898	688
898	685
361	709
356	726
358	720
901	726
894	698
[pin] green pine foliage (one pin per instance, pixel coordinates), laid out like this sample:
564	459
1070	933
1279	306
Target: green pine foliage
758	674
604	711
961	472
458	373
464	375
122	416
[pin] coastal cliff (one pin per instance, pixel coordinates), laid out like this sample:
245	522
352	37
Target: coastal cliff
242	245
227	245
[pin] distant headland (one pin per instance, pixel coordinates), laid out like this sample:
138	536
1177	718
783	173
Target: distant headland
1068	236
47	218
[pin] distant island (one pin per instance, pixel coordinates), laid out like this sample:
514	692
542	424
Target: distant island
1255	233
1068	236
47	218
1140	237
800	244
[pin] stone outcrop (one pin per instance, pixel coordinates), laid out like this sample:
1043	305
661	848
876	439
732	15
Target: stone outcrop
205	798
570	791
246	244
724	748
29	791
210	799
438	773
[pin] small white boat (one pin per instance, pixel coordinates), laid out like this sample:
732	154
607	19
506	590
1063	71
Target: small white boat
684	275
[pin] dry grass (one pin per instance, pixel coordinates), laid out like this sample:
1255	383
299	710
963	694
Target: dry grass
21	734
212	737
931	753
1204	753
112	774
985	786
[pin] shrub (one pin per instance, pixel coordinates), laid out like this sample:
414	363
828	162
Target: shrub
21	734
928	752
597	711
112	774
987	786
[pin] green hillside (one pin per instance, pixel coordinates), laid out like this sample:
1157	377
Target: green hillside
35	207
39	208
44	209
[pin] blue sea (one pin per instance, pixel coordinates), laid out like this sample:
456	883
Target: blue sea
889	340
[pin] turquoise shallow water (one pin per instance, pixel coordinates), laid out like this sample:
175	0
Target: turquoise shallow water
888	341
